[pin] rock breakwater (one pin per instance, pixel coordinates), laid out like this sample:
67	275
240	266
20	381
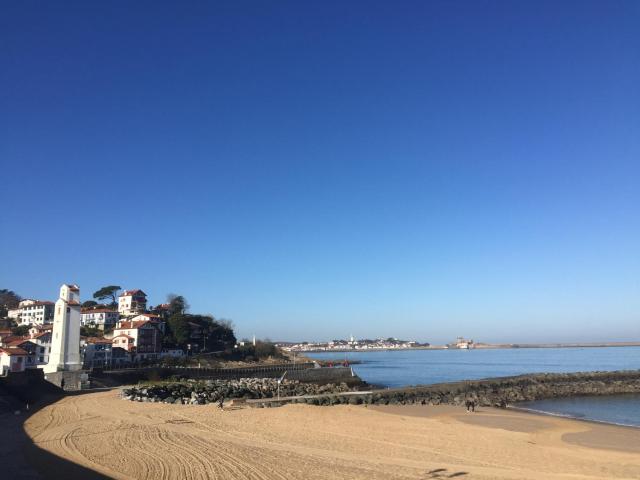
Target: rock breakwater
197	392
509	390
497	392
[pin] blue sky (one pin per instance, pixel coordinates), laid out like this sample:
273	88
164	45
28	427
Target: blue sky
316	169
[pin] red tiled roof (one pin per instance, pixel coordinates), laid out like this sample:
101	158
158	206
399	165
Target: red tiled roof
126	293
16	343
41	334
134	325
13	351
97	340
121	335
11	338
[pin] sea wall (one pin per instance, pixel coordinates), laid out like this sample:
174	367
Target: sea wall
201	392
508	390
68	381
498	392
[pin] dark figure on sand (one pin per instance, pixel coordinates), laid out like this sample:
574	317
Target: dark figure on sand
471	405
221	404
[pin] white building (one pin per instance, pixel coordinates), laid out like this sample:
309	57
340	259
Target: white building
97	353
12	360
143	338
99	317
132	302
42	340
35	312
145	317
65	339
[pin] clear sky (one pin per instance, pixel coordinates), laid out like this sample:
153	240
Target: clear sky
315	169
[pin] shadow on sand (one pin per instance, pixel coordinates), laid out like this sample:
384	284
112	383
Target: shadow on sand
24	460
444	473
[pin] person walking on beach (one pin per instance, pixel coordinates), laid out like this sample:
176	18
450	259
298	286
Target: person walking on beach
221	403
471	405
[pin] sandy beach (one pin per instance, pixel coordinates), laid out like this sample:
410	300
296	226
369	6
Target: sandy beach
122	439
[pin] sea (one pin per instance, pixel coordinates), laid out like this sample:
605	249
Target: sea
399	368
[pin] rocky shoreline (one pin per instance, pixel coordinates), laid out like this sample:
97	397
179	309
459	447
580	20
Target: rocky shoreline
201	392
497	392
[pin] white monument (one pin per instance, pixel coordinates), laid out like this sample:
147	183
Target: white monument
65	338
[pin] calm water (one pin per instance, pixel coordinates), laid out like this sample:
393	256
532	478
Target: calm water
619	409
416	367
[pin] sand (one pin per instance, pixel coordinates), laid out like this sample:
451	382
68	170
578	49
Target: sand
122	439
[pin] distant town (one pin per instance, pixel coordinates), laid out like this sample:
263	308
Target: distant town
368	344
460	343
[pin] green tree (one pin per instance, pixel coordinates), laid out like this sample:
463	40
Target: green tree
177	304
177	331
90	331
21	330
89	304
106	293
8	300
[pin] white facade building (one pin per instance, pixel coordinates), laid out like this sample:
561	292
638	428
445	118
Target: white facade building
132	302
99	317
35	312
43	343
65	339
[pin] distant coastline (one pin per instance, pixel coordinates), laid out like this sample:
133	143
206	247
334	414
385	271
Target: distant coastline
479	346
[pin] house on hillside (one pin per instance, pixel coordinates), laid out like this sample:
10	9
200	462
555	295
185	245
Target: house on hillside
42	340
143	338
12	360
98	353
163	310
35	312
99	317
146	317
132	302
31	360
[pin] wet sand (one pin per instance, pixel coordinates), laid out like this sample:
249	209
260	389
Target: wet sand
122	439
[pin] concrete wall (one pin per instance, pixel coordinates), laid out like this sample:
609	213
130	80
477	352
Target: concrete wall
72	380
326	375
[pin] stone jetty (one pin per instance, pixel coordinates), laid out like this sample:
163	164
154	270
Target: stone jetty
497	392
200	392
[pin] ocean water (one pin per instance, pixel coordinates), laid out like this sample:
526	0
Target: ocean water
618	409
420	367
399	368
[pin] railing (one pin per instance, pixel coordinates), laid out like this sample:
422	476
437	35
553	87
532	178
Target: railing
202	371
